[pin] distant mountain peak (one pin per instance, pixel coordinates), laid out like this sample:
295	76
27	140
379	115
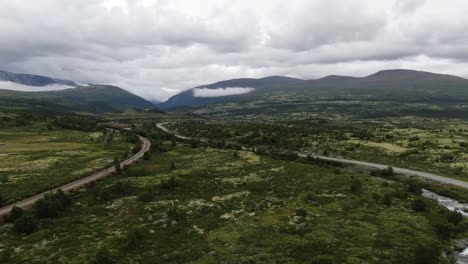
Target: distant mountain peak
405	73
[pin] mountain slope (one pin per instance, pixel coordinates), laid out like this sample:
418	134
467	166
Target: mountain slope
393	85
187	98
32	80
93	98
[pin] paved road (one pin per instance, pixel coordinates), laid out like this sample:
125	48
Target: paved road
420	174
29	202
165	129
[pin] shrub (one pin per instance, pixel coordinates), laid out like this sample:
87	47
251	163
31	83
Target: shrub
136	171
4	179
173	166
356	185
170	183
387	199
427	253
146	156
419	205
146	196
134	236
446	157
15	213
324	259
118	169
5	255
122	188
301	212
52	204
173	214
26	224
103	257
455	217
1	200
414	187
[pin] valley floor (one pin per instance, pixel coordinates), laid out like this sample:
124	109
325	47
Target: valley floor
204	205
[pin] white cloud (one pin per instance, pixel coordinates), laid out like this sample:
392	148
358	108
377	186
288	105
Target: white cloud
26	88
218	92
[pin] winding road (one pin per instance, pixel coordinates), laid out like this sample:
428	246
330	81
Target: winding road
421	174
29	202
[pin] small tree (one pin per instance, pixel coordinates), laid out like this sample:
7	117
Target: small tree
134	236
146	156
356	185
387	199
173	166
118	169
26	224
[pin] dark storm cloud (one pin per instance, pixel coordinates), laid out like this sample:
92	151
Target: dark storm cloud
158	47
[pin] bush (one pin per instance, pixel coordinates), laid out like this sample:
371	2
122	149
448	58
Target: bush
103	257
427	253
5	255
455	217
414	187
52	204
146	156
173	214
26	224
122	188
146	196
301	212
446	157
170	183
134	236
15	213
136	171
419	205
387	199
118	169
324	259
1	200
356	185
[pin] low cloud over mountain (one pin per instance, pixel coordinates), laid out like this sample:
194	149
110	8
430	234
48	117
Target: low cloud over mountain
26	88
206	92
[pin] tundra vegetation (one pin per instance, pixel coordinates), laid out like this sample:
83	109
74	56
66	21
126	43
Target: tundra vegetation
206	200
210	205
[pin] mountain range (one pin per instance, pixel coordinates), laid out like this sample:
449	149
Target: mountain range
92	98
386	85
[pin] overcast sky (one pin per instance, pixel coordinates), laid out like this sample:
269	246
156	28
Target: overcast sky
156	48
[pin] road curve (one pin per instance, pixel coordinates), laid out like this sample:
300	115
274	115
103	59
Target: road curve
29	202
421	174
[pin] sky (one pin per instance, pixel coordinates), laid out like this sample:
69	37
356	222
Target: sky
157	48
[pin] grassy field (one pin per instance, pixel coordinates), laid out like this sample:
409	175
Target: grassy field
223	206
34	159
